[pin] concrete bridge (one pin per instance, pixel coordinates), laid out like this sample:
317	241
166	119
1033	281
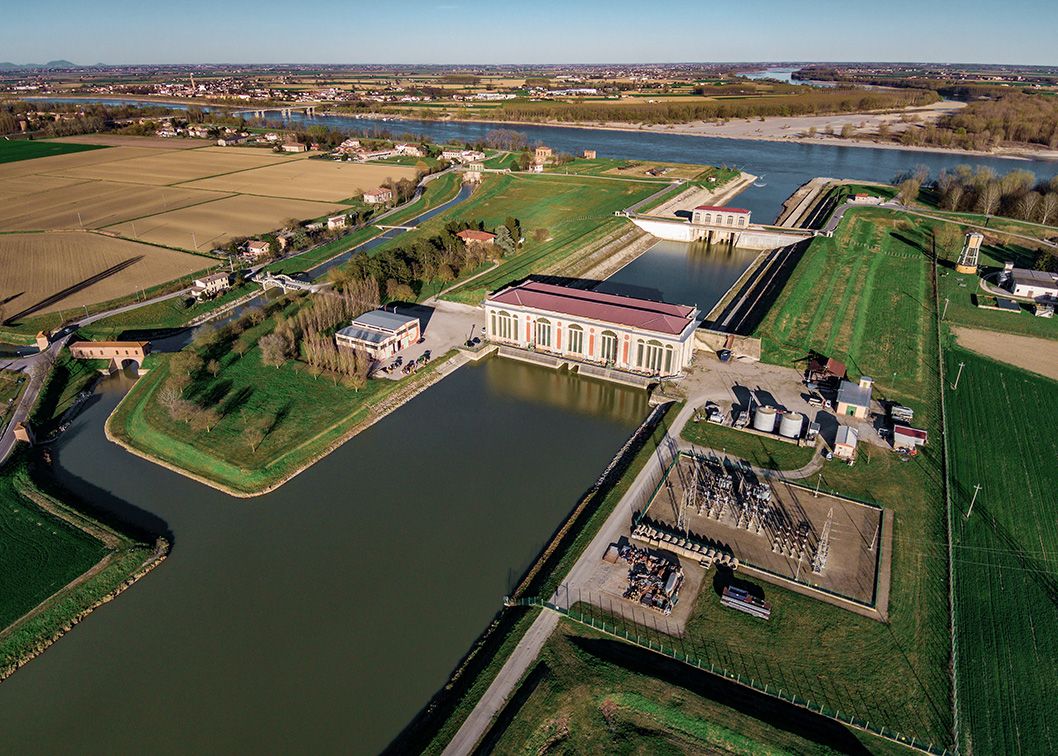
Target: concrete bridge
284	112
288	283
121	354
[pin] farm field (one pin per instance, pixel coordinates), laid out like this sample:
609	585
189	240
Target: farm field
61	165
94	204
171	166
1005	554
1039	356
128	140
54	271
319	180
559	214
213	223
590	693
39	553
14	150
18	187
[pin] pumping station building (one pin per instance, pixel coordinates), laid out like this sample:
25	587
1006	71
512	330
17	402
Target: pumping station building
623	333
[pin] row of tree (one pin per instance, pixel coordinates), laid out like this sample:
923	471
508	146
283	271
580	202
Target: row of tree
1017	194
983	124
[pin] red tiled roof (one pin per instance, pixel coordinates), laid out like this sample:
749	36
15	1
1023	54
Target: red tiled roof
715	208
608	308
472	234
904	430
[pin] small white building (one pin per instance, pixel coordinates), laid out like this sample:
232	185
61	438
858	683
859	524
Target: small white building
624	333
845	442
379	196
256	248
409	149
1039	285
337	221
294	147
210	286
380	334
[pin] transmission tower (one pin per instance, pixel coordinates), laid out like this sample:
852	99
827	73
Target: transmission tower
819	561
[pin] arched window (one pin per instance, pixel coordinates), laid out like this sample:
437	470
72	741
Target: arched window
543	333
505	326
742	221
608	346
730	220
576	339
650	356
707	218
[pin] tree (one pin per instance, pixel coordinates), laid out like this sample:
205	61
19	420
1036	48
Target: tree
908	190
504	241
988	198
273	350
948	238
169	395
255	431
1048	206
213	368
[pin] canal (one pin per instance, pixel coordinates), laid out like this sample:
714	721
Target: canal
321	617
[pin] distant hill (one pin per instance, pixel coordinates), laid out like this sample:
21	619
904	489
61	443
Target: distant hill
49	64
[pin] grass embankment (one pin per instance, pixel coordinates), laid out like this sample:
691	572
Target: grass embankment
46	549
559	215
302	417
24	149
647	170
590	693
67	379
759	451
1000	425
12	384
437	192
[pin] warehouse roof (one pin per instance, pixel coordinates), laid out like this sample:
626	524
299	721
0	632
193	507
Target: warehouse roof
381	320
609	308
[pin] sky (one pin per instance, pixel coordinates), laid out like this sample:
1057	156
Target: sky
549	31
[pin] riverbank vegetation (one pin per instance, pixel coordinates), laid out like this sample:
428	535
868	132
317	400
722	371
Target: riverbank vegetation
55	565
251	404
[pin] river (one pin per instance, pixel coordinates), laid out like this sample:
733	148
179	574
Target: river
323	616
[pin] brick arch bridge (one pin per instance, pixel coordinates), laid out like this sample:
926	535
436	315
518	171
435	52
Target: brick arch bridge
120	353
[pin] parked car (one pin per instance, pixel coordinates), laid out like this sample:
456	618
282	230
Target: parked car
724	355
815	400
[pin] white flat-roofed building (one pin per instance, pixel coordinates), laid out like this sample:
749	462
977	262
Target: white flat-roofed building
625	333
379	334
1040	285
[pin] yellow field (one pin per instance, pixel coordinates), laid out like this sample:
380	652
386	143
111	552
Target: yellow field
169	166
322	180
49	272
60	165
259	151
22	186
99	203
125	140
213	223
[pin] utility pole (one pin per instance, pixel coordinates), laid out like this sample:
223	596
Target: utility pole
818	481
945	312
958	375
969	511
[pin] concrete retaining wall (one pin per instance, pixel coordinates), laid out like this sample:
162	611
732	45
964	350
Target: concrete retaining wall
748	238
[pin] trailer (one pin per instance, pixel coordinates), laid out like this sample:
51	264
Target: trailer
743	601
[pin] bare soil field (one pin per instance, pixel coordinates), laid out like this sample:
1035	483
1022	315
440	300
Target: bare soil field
214	223
61	165
93	204
169	166
1038	355
321	180
22	186
280	156
42	273
126	140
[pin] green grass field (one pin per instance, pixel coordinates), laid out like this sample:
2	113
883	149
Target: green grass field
14	150
591	694
572	210
757	450
1001	423
39	553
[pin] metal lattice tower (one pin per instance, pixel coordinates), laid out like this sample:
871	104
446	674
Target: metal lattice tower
970	252
819	561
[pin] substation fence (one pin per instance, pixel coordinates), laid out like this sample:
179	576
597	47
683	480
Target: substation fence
767	689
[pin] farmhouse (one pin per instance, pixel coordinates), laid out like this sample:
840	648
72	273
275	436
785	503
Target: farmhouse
256	248
337	221
862	198
543	154
231	139
379	334
625	333
845	442
713	215
589	154
1040	285
294	147
473	238
349	145
854	399
409	149
379	196
208	286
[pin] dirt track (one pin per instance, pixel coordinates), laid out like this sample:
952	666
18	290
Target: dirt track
1038	355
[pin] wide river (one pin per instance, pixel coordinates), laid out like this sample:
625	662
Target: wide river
323	616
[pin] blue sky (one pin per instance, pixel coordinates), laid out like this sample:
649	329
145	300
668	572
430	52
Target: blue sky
574	31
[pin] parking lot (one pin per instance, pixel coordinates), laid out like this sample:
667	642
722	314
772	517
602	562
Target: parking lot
444	326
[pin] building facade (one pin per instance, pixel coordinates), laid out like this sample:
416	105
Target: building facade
624	333
379	334
208	286
713	215
378	196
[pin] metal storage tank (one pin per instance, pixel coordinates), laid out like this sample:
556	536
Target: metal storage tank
764	419
790	425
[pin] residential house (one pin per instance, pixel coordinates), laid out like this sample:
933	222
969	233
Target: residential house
210	286
294	147
337	221
473	238
256	248
379	334
379	196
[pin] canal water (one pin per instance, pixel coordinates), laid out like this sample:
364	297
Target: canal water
319	618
